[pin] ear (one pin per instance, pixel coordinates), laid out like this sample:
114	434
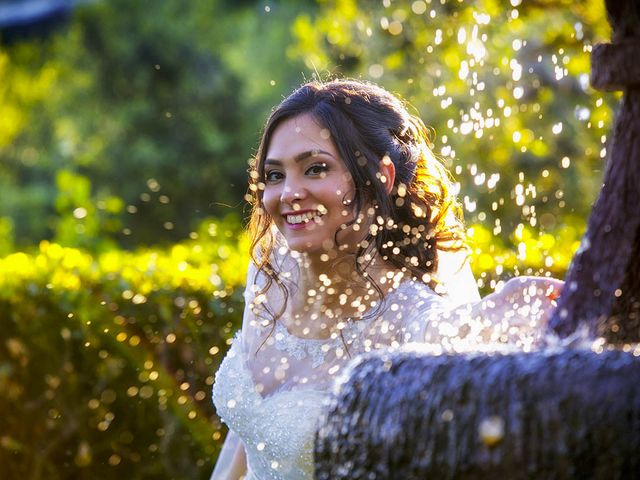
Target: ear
388	170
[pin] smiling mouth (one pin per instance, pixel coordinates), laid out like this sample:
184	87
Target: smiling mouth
302	218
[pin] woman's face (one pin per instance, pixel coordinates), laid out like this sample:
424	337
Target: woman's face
306	187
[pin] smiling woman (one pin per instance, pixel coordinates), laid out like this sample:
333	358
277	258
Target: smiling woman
370	160
354	225
307	187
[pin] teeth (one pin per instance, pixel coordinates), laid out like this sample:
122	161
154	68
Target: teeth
302	218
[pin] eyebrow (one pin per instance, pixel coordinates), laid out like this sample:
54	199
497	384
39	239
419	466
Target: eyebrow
301	156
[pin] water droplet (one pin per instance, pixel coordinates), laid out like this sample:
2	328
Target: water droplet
491	430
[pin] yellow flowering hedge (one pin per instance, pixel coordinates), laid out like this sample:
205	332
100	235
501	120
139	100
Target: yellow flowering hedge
107	360
528	251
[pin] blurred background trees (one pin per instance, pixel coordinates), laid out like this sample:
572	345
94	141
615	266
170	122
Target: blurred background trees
149	114
505	87
157	107
125	131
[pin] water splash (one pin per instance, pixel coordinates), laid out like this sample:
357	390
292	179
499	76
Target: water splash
552	413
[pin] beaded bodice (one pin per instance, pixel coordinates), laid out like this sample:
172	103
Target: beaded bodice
277	431
270	390
300	348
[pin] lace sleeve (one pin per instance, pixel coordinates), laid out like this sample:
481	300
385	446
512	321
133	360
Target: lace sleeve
231	462
482	325
442	321
250	322
422	322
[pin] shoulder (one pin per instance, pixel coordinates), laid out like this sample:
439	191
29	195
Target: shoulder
415	295
420	307
404	317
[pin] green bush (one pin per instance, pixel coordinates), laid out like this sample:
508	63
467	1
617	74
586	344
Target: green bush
534	252
107	362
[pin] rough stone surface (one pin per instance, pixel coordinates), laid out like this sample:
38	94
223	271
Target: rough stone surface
562	415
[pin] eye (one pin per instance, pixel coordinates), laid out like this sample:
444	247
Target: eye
317	169
273	176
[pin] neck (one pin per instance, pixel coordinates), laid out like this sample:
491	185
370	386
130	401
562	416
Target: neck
339	271
332	290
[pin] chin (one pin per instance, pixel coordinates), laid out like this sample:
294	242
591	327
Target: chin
309	241
305	247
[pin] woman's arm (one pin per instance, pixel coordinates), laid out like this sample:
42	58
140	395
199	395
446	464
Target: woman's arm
516	315
523	298
232	463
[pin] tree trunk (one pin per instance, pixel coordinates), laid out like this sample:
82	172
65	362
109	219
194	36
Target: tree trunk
603	283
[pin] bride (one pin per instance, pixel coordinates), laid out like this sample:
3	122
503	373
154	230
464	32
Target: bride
357	245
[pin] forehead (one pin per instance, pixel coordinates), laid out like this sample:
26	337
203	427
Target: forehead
300	134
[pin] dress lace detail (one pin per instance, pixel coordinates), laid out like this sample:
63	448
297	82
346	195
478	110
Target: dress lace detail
277	431
300	348
315	348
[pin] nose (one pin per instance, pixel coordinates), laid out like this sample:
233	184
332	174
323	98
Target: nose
292	194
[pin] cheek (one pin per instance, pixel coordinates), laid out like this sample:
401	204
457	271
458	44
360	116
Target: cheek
339	186
332	194
347	183
270	201
348	192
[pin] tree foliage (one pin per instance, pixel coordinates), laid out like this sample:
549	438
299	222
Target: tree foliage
156	112
505	88
159	107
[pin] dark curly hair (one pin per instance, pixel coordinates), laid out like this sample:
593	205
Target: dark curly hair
367	123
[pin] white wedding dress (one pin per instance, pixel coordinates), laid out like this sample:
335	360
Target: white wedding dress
272	385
